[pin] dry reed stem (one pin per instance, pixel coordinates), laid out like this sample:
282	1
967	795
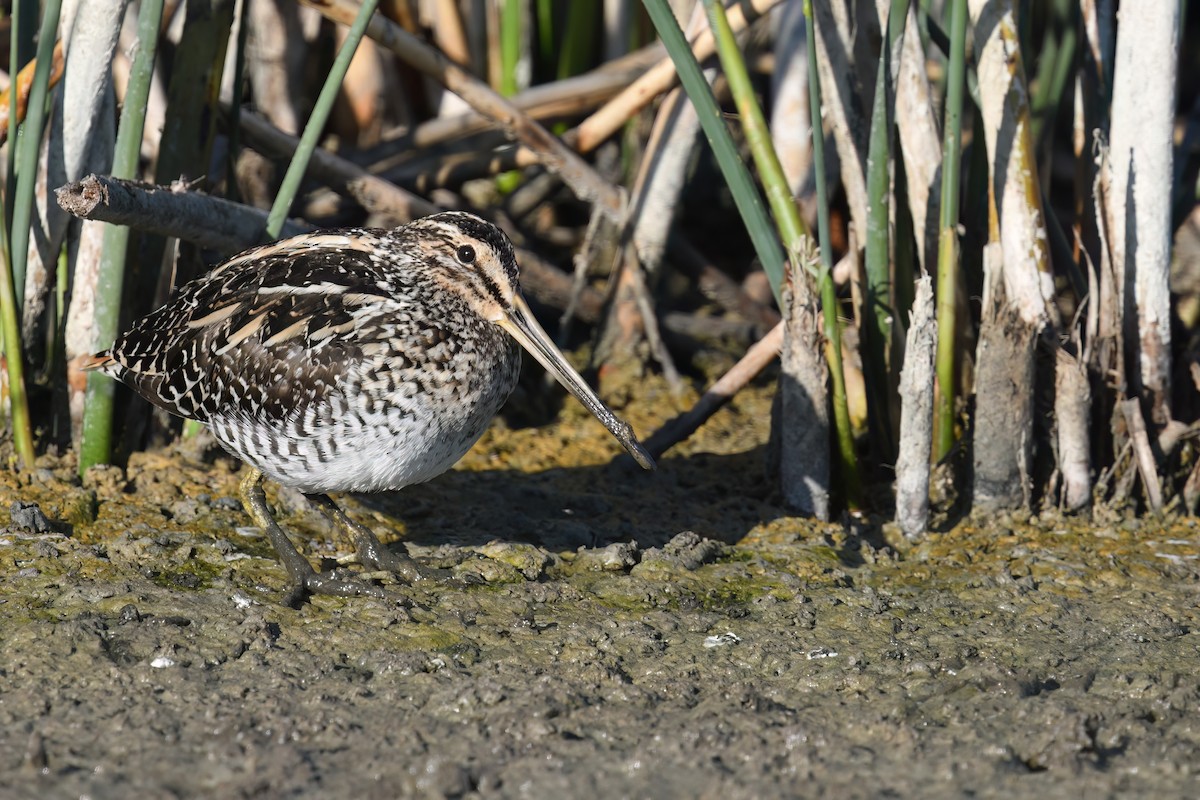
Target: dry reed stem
345	177
23	83
760	354
175	210
587	184
597	128
916	414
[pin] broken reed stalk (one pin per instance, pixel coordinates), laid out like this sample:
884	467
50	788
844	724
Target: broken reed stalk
96	445
316	121
1018	298
801	433
169	211
847	460
916	415
947	264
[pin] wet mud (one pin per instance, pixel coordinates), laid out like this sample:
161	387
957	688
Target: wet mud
612	633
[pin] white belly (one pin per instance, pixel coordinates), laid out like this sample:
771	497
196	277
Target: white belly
357	452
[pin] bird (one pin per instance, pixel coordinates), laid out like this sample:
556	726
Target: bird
348	360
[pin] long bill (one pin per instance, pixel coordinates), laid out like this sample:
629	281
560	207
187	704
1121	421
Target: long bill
522	326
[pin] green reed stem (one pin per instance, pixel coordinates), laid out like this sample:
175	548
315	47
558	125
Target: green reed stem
1055	66
21	48
758	135
847	459
28	147
948	253
316	121
511	23
10	323
579	39
545	34
10	332
878	311
96	445
712	122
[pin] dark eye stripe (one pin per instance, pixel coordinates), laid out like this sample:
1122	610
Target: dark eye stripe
492	288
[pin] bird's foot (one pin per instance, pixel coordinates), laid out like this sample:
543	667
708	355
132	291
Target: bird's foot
336	584
373	554
305	581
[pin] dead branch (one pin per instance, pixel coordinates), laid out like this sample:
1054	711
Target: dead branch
546	101
174	210
551	151
1142	451
345	177
673	432
662	76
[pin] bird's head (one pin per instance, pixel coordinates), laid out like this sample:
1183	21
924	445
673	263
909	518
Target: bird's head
475	259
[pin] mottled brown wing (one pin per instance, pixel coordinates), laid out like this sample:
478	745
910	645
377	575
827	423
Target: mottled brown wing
264	329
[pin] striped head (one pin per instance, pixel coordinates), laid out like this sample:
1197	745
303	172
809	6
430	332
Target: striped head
474	259
467	256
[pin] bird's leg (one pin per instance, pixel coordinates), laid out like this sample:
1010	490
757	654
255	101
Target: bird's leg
305	580
372	552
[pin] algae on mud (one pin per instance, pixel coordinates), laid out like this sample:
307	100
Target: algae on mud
673	635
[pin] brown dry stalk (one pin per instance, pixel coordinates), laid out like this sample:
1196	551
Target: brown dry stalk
23	83
562	98
1143	453
552	153
345	177
662	76
760	354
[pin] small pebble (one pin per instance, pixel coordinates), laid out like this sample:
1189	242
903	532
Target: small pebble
29	516
721	640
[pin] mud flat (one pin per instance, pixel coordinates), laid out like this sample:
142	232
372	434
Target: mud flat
614	634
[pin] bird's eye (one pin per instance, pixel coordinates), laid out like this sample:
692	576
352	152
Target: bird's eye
466	254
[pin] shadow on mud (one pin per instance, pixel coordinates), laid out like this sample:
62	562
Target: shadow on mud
719	497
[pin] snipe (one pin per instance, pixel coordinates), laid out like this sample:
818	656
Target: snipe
357	360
